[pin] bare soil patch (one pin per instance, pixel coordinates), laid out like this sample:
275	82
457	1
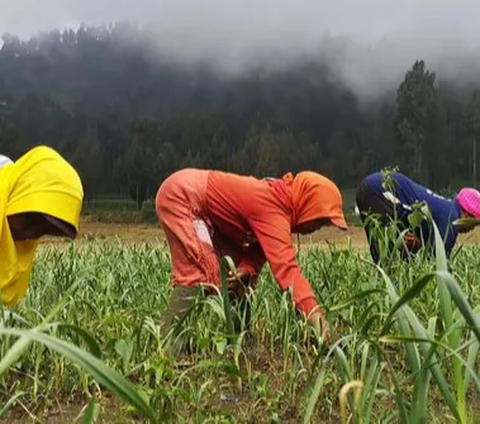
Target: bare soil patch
153	234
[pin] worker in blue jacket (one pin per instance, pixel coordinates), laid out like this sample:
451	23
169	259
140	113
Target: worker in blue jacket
394	196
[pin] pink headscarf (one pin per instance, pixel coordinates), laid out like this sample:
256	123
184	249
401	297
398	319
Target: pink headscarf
469	200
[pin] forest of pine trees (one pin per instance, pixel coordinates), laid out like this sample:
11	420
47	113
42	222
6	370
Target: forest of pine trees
127	119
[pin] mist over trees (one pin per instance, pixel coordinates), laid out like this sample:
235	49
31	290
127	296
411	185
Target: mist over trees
127	116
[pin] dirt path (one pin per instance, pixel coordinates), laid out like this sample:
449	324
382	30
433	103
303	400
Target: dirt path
153	235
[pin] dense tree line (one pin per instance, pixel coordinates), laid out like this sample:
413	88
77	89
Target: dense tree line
128	117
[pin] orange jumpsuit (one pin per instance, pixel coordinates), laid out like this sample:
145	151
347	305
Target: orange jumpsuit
209	214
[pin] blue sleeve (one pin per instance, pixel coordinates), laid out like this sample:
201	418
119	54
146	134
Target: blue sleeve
444	214
447	233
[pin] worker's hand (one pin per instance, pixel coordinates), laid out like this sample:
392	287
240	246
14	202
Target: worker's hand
321	327
413	242
238	283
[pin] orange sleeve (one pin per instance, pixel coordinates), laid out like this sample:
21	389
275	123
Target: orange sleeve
272	231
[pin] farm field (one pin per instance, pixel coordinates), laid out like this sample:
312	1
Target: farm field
146	233
273	370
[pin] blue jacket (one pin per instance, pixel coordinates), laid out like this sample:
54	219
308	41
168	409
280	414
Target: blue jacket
444	211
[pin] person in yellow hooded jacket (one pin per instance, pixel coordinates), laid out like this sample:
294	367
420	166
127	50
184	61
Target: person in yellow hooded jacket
40	194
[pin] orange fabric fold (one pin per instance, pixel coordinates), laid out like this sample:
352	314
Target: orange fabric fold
315	197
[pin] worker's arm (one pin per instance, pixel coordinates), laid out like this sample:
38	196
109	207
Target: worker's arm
273	234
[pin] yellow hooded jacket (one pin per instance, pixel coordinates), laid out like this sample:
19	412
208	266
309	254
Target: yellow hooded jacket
40	181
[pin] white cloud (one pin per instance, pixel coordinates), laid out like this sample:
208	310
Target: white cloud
386	35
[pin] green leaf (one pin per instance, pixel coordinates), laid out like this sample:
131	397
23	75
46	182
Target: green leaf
92	344
371	384
10	403
461	301
471	359
318	386
407	314
354	299
92	412
226	265
415	219
403	339
124	349
231	369
409	295
220	343
402	323
402	408
422	382
104	375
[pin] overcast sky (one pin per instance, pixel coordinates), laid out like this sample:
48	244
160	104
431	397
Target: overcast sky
443	32
256	19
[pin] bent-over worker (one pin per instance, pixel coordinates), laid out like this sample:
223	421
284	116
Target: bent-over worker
396	200
40	194
208	214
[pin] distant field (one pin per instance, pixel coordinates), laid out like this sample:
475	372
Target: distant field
115	208
109	203
119	209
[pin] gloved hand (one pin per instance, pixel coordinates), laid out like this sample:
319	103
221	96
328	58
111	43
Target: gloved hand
413	242
238	283
322	327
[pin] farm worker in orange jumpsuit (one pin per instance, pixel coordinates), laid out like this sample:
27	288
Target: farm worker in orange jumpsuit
40	194
209	214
